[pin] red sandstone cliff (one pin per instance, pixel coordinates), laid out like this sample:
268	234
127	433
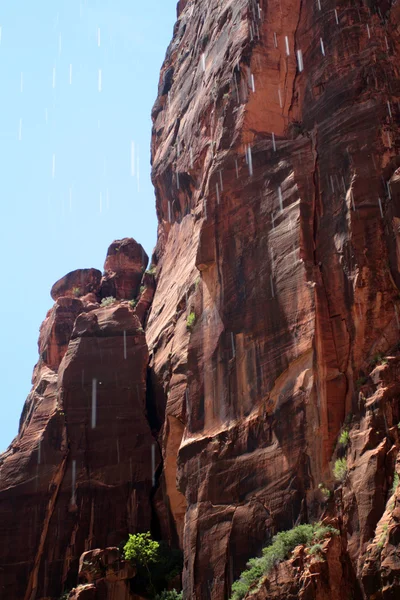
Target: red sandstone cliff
277	183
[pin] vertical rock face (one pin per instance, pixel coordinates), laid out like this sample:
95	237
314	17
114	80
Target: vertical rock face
79	474
274	301
276	173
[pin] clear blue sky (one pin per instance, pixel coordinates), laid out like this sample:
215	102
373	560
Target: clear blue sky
67	188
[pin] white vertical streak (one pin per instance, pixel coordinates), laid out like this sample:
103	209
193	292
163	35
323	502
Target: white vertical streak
319	4
169	211
380	207
287	45
275	40
250	161
273	142
300	60
253	85
237	169
280	198
322	46
368	32
389	109
203	62
125	353
217	191
280	97
336	17
233	344
272	286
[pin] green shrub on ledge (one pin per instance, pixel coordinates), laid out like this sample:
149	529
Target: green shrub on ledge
282	545
340	469
108	301
191	320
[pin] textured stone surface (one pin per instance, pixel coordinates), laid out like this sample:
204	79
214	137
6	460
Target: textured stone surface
77	283
277	289
123	269
284	255
73	480
325	575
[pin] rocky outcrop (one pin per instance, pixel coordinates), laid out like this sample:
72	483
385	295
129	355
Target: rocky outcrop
125	263
323	575
81	471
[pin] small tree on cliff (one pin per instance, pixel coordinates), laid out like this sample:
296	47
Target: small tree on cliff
141	550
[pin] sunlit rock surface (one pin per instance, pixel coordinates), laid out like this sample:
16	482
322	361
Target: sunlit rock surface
278	205
269	321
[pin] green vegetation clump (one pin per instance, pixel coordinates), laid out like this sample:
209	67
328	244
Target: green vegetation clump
108	301
324	491
152	270
395	482
76	292
169	595
133	303
383	536
141	549
315	549
344	438
282	545
340	469
191	320
156	564
141	290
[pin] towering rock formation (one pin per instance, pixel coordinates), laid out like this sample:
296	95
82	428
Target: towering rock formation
79	474
275	166
277	264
